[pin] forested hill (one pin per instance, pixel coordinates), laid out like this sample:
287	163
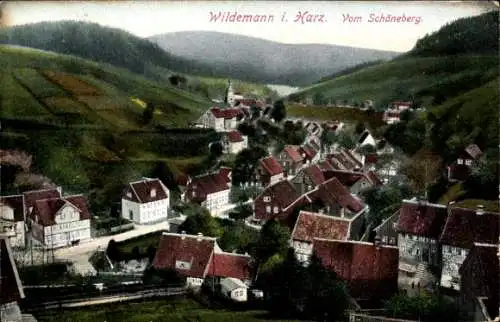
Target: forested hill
102	44
472	35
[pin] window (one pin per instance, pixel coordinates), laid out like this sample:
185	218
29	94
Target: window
468	162
392	241
384	239
267	199
460	161
268	209
276	209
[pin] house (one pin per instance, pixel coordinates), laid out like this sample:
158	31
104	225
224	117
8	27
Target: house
268	172
12	220
146	201
419	228
308	178
393	113
234	142
30	197
197	257
345	160
275	201
59	222
234	289
210	190
310	152
11	289
462	229
371	271
386	233
461	169
480	289
366	138
355	181
221	119
290	159
314	225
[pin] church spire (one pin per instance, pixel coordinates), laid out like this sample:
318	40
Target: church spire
229	97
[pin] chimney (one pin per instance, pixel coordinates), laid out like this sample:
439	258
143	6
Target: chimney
200	235
480	210
183	234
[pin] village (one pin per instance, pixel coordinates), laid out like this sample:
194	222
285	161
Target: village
315	190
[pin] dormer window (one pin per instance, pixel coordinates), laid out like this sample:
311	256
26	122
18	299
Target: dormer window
153	193
129	194
267	199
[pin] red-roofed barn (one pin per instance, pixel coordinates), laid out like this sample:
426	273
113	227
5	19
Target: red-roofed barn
268	171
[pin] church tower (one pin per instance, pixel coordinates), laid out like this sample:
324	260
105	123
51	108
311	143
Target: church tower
229	99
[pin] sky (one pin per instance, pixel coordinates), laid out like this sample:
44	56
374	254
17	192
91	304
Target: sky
148	18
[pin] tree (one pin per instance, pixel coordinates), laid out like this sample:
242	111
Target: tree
238	237
216	149
346	140
151	253
327	139
136	254
255	111
202	222
241	212
367	149
278	113
163	172
422	170
274	239
424	307
147	114
113	252
360	128
245	163
152	276
319	98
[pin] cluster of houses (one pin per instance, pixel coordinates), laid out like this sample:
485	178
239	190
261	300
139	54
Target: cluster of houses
52	220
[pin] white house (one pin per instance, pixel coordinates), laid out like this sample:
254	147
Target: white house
60	222
146	201
393	113
210	190
234	142
367	138
234	289
463	228
221	119
12	219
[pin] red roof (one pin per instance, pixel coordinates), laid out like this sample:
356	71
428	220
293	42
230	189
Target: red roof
370	271
347	178
234	136
293	153
145	191
373	178
315	174
225	173
272	166
325	165
463	227
30	197
227	113
421	219
182	180
479	276
207	184
189	255
332	191
371	158
46	209
309	151
281	195
17	205
312	225
230	265
11	289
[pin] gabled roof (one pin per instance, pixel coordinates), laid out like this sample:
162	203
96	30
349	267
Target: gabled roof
210	183
421	219
315	174
141	191
347	178
308	151
369	270
479	275
473	151
293	153
349	155
325	165
332	191
30	197
271	165
230	265
15	202
464	227
227	113
363	136
312	225
46	209
282	194
189	255
11	288
225	173
234	136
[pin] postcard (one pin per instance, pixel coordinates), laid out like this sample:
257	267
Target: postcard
249	160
